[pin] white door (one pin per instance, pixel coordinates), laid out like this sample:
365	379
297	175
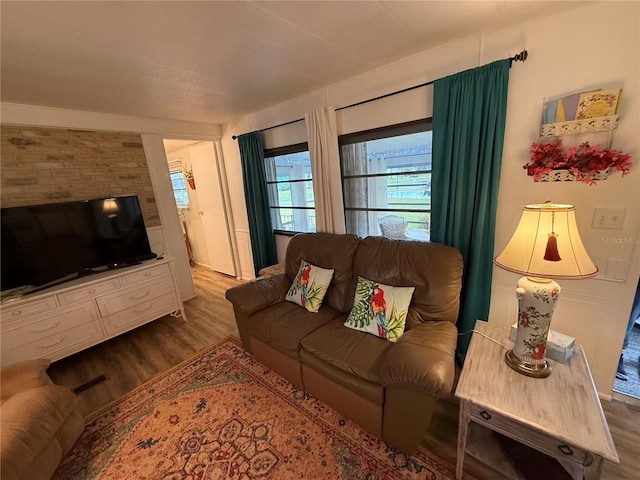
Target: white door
211	207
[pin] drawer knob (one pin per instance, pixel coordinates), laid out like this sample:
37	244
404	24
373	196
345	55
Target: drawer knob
17	312
147	274
486	415
565	449
92	290
140	295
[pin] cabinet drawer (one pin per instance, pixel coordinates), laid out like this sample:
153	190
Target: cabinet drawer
51	323
140	313
146	274
55	346
529	436
135	295
90	291
26	308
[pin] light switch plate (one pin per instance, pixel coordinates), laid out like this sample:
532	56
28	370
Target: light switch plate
612	218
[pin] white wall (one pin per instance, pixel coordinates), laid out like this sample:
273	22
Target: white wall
35	115
596	45
592	47
163	191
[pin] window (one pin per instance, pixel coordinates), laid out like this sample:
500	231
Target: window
387	181
288	171
179	186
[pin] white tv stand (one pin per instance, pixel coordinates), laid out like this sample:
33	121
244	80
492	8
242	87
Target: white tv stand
62	320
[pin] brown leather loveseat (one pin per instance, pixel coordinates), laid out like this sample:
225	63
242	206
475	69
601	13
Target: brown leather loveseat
388	388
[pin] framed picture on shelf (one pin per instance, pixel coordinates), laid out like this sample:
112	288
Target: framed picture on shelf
599	103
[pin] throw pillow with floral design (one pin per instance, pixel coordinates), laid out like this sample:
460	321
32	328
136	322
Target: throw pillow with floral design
379	309
310	286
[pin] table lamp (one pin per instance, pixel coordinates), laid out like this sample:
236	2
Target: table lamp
545	245
110	207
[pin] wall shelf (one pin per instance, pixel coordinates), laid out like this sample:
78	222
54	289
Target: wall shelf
598	124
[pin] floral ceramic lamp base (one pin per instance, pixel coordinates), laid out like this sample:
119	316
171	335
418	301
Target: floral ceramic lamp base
537	298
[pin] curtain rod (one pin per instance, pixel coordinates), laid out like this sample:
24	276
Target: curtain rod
518	57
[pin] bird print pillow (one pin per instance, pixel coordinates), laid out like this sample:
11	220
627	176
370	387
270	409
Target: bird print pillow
379	309
309	286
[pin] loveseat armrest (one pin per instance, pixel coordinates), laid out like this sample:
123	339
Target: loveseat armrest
422	359
252	297
23	376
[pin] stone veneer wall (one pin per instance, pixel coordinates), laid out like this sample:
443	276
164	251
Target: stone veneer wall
48	165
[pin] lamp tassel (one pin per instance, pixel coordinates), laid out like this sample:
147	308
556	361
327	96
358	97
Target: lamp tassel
551	252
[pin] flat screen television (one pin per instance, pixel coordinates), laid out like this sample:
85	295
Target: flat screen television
52	243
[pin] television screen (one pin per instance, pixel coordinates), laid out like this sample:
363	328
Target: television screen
44	243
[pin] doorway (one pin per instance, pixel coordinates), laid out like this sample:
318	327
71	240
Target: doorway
197	179
627	379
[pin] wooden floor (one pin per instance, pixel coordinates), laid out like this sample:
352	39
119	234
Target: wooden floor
135	357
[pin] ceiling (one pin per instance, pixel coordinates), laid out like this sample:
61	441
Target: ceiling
214	61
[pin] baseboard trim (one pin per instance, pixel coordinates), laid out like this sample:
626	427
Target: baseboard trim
621	397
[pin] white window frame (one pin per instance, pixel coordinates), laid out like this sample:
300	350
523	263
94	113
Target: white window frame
177	168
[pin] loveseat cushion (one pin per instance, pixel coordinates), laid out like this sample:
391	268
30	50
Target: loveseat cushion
434	269
351	351
371	392
282	326
326	250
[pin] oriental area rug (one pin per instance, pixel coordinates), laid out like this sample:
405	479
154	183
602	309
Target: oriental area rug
223	415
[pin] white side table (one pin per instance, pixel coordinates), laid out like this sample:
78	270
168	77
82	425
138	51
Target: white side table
560	415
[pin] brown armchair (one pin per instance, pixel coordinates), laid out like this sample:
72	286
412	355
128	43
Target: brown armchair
40	422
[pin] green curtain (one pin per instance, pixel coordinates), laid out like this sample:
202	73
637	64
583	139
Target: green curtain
263	244
469	111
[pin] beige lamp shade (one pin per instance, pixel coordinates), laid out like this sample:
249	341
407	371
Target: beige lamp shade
110	207
547	244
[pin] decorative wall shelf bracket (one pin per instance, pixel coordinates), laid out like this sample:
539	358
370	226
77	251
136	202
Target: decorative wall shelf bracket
599	124
564	175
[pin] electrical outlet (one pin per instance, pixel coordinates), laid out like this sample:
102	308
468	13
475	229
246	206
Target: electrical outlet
612	218
616	268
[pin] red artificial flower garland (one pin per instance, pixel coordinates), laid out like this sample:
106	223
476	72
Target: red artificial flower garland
582	161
